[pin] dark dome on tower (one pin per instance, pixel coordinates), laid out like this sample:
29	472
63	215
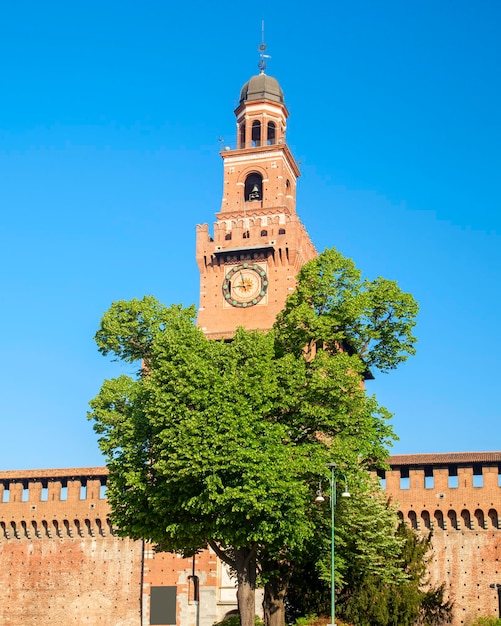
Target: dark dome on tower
262	87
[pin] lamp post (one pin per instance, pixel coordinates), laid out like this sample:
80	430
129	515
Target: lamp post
320	498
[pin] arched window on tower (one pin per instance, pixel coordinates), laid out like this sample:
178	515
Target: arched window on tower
493	516
241	138
253	187
256	134
466	517
479	515
453	519
439	519
272	134
425	517
413	519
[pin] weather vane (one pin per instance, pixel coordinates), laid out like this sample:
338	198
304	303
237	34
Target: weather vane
262	47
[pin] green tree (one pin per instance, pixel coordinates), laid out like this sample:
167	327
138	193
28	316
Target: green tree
366	547
223	444
397	594
336	316
381	568
335	308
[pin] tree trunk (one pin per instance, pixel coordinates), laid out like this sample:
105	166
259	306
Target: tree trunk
274	608
245	567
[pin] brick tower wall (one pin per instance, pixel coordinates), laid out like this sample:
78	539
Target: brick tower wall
291	248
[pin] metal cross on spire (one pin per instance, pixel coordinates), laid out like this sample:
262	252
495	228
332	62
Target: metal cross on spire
262	47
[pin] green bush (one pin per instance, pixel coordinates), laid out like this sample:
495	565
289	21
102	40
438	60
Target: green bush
314	620
487	621
234	620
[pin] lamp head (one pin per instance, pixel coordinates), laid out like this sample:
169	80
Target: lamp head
319	498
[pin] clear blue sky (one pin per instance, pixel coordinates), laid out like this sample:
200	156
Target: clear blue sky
110	114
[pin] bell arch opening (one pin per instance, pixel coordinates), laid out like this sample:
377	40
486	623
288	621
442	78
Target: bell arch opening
271	138
256	134
253	187
241	135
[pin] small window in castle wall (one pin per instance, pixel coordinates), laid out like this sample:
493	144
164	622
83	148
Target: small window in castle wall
64	493
45	494
6	494
452	480
102	492
405	482
83	491
478	478
429	483
26	494
381	474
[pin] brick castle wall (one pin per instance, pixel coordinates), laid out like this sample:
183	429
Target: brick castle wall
457	497
62	564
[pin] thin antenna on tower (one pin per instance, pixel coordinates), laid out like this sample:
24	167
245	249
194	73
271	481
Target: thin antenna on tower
262	47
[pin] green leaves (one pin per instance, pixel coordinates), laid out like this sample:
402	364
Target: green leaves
334	308
129	328
197	443
383	566
223	443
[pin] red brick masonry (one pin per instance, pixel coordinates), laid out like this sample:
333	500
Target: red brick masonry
62	564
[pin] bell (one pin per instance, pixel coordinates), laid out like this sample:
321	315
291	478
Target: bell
255	194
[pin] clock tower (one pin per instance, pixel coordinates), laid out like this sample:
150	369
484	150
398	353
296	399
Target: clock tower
248	266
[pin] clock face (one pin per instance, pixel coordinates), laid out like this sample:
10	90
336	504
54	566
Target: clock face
245	285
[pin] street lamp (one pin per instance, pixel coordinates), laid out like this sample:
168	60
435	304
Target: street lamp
320	498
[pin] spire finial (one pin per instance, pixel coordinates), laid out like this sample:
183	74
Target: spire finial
262	47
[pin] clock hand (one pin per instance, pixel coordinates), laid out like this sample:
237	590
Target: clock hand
242	285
